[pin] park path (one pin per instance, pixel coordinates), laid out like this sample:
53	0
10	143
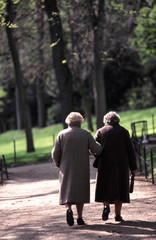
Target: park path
29	209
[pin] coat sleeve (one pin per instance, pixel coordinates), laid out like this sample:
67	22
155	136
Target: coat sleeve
98	136
56	152
94	146
131	153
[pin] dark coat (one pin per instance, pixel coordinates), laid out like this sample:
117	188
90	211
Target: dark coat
71	155
117	158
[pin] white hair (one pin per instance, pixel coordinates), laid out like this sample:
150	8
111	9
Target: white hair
111	118
74	117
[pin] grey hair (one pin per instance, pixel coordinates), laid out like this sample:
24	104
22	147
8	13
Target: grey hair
74	117
111	118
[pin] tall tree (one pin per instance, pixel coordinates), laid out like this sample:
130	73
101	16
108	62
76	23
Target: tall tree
62	71
18	75
80	38
97	21
19	117
39	80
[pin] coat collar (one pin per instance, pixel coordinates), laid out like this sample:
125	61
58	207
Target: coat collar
75	124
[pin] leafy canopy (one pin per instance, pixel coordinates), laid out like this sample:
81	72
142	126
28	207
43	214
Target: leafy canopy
145	33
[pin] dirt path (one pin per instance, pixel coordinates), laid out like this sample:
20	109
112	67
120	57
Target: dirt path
30	211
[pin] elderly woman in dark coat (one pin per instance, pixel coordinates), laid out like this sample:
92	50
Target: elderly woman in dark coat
71	155
116	159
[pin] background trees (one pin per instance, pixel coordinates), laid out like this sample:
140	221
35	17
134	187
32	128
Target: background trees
89	56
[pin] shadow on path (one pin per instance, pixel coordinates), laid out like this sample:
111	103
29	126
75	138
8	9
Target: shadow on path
127	227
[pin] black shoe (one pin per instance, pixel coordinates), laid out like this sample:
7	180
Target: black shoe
80	221
105	213
118	218
69	217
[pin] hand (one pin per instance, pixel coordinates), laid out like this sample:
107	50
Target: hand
133	172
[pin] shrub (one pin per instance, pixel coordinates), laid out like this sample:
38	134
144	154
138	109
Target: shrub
54	114
141	97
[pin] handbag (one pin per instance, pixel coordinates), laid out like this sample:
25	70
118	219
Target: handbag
131	187
97	159
96	162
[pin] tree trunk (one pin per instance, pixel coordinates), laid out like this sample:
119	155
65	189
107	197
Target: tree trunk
62	72
19	79
98	81
86	99
40	103
19	118
39	82
87	109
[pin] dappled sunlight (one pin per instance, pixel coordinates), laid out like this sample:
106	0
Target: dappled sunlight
29	193
29	205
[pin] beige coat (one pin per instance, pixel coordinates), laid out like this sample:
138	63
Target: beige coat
71	155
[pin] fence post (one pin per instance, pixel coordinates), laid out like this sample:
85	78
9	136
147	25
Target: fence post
5	166
151	153
1	171
153	122
14	141
145	163
139	153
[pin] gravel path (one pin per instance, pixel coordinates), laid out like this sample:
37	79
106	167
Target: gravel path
30	211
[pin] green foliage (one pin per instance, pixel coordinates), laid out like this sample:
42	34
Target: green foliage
2	92
117	6
54	114
141	97
3	4
2	11
145	33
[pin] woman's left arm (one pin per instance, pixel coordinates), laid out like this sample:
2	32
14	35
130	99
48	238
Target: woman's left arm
94	146
56	152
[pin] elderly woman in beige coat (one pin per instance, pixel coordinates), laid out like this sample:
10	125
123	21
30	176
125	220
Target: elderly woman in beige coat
71	155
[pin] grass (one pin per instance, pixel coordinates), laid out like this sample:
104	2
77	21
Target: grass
45	138
127	117
43	142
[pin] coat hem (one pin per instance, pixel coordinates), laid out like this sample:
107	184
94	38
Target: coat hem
74	203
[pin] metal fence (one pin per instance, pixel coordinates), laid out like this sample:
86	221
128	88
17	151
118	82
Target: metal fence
145	157
144	140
